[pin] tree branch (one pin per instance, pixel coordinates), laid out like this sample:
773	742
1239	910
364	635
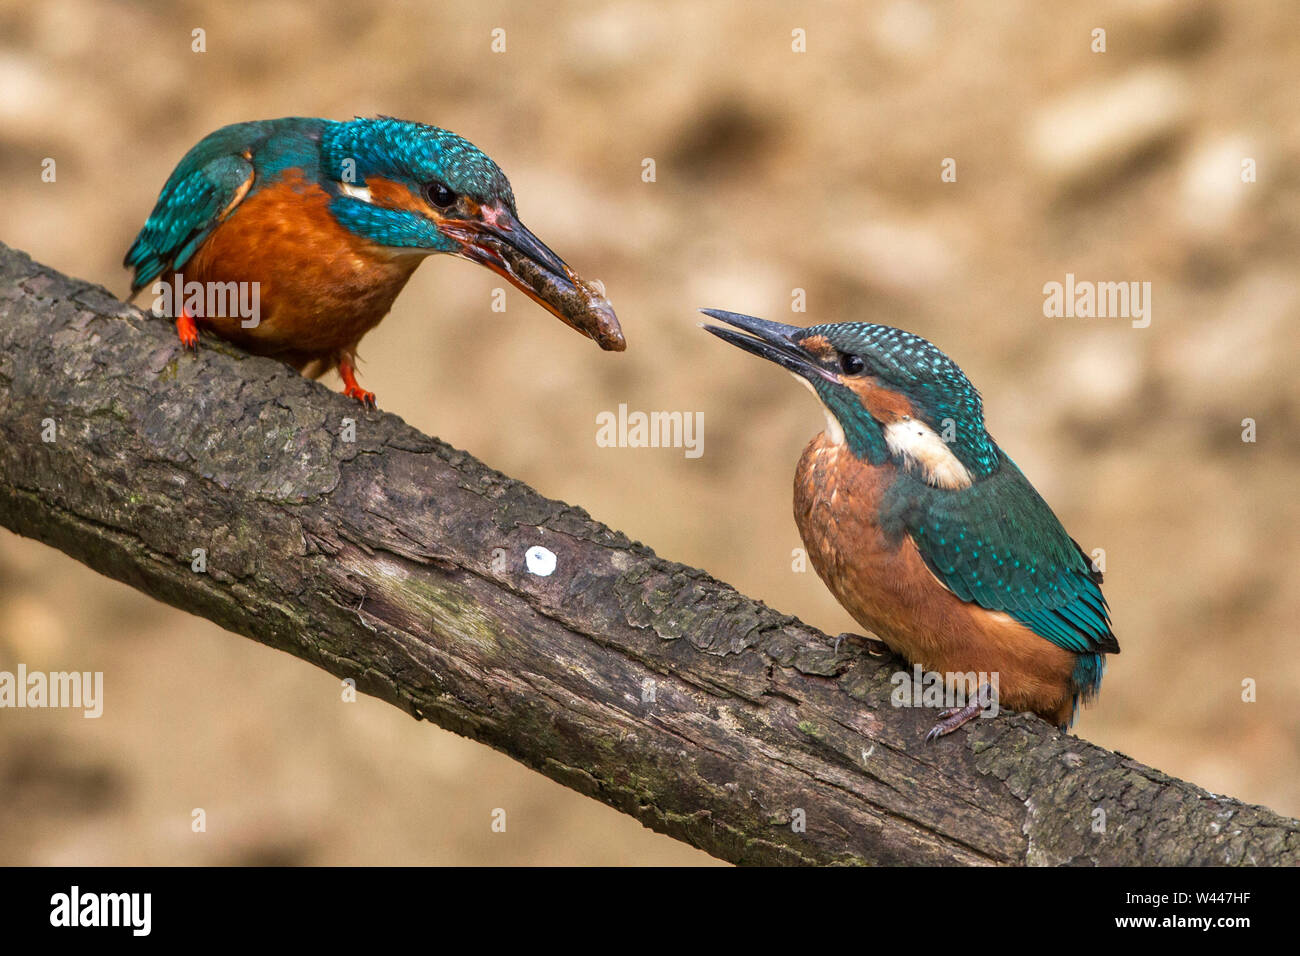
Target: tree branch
400	562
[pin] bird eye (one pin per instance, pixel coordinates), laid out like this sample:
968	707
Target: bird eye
852	364
439	195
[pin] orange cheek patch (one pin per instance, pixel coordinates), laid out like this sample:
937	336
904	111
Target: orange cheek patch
385	192
883	404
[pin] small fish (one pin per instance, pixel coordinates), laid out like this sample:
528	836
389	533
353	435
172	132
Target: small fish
579	303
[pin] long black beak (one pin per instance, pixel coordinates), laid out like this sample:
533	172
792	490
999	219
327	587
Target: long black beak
770	340
507	247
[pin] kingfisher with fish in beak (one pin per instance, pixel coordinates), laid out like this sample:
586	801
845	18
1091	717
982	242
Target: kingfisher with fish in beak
330	219
925	530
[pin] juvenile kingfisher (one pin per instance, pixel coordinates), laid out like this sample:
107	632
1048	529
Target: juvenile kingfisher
330	219
925	530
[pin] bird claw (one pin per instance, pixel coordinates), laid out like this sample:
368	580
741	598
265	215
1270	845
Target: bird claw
876	648
873	647
360	394
350	387
953	717
188	332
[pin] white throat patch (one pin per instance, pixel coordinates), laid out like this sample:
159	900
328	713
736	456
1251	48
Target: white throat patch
917	442
356	192
833	428
913	441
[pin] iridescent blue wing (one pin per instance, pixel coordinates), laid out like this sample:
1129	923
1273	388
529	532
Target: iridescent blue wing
998	544
188	210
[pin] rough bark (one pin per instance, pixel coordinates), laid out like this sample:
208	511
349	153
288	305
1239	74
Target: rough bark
399	561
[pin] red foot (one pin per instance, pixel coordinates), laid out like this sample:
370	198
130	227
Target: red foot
350	387
188	331
361	395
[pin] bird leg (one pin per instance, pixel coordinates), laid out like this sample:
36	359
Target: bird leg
873	646
350	387
188	330
954	717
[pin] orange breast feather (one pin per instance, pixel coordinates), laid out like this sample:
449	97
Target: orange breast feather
320	287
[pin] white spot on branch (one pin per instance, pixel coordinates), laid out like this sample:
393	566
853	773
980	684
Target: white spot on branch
540	561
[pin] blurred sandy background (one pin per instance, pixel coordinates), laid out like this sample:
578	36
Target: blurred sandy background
776	170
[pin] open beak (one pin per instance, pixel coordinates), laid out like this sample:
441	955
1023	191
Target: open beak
502	243
770	340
